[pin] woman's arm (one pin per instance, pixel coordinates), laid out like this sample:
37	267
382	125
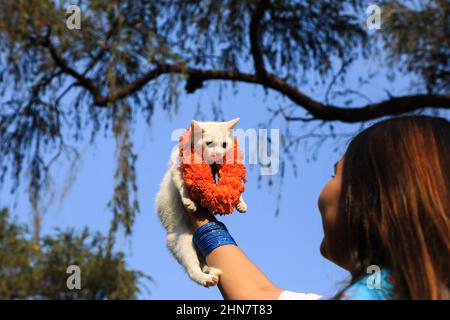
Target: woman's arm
240	278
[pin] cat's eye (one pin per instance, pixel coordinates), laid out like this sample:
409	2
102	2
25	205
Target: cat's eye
224	145
208	143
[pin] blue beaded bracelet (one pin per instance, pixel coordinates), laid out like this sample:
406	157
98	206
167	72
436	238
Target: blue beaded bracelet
210	236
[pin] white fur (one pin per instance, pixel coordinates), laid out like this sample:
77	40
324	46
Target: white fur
173	204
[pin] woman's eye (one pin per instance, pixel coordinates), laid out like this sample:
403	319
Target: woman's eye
332	176
208	143
224	145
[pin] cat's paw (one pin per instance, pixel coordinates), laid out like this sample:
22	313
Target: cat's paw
241	207
189	205
210	281
211	270
205	279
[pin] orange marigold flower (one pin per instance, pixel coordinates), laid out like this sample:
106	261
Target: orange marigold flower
223	196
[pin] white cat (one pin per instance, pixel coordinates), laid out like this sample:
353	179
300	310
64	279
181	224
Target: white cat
173	202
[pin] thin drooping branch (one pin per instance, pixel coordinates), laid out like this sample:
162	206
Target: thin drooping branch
255	37
103	50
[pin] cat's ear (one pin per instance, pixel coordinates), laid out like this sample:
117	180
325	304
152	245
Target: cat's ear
196	127
232	123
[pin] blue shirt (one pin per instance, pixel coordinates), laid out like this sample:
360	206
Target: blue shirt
368	288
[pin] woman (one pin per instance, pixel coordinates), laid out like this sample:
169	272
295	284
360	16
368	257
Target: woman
388	205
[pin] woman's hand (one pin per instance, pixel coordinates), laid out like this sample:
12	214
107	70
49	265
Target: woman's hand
201	217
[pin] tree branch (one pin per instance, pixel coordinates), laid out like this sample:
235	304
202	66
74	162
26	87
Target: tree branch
83	80
318	110
255	37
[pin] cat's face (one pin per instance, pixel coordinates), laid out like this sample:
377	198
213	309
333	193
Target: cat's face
215	138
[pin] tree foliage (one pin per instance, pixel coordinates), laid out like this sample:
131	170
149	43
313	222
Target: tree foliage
61	85
38	270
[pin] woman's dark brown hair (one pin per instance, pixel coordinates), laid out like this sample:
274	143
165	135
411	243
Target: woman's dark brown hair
396	201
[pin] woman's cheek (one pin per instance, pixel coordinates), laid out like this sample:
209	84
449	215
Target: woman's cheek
328	205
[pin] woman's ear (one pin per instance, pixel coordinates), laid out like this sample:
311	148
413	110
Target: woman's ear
232	123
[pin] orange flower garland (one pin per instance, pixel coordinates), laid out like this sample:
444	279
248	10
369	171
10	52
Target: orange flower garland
220	198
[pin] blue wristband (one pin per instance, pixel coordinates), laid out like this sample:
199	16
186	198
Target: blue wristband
211	236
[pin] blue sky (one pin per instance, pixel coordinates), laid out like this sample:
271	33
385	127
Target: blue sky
285	247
